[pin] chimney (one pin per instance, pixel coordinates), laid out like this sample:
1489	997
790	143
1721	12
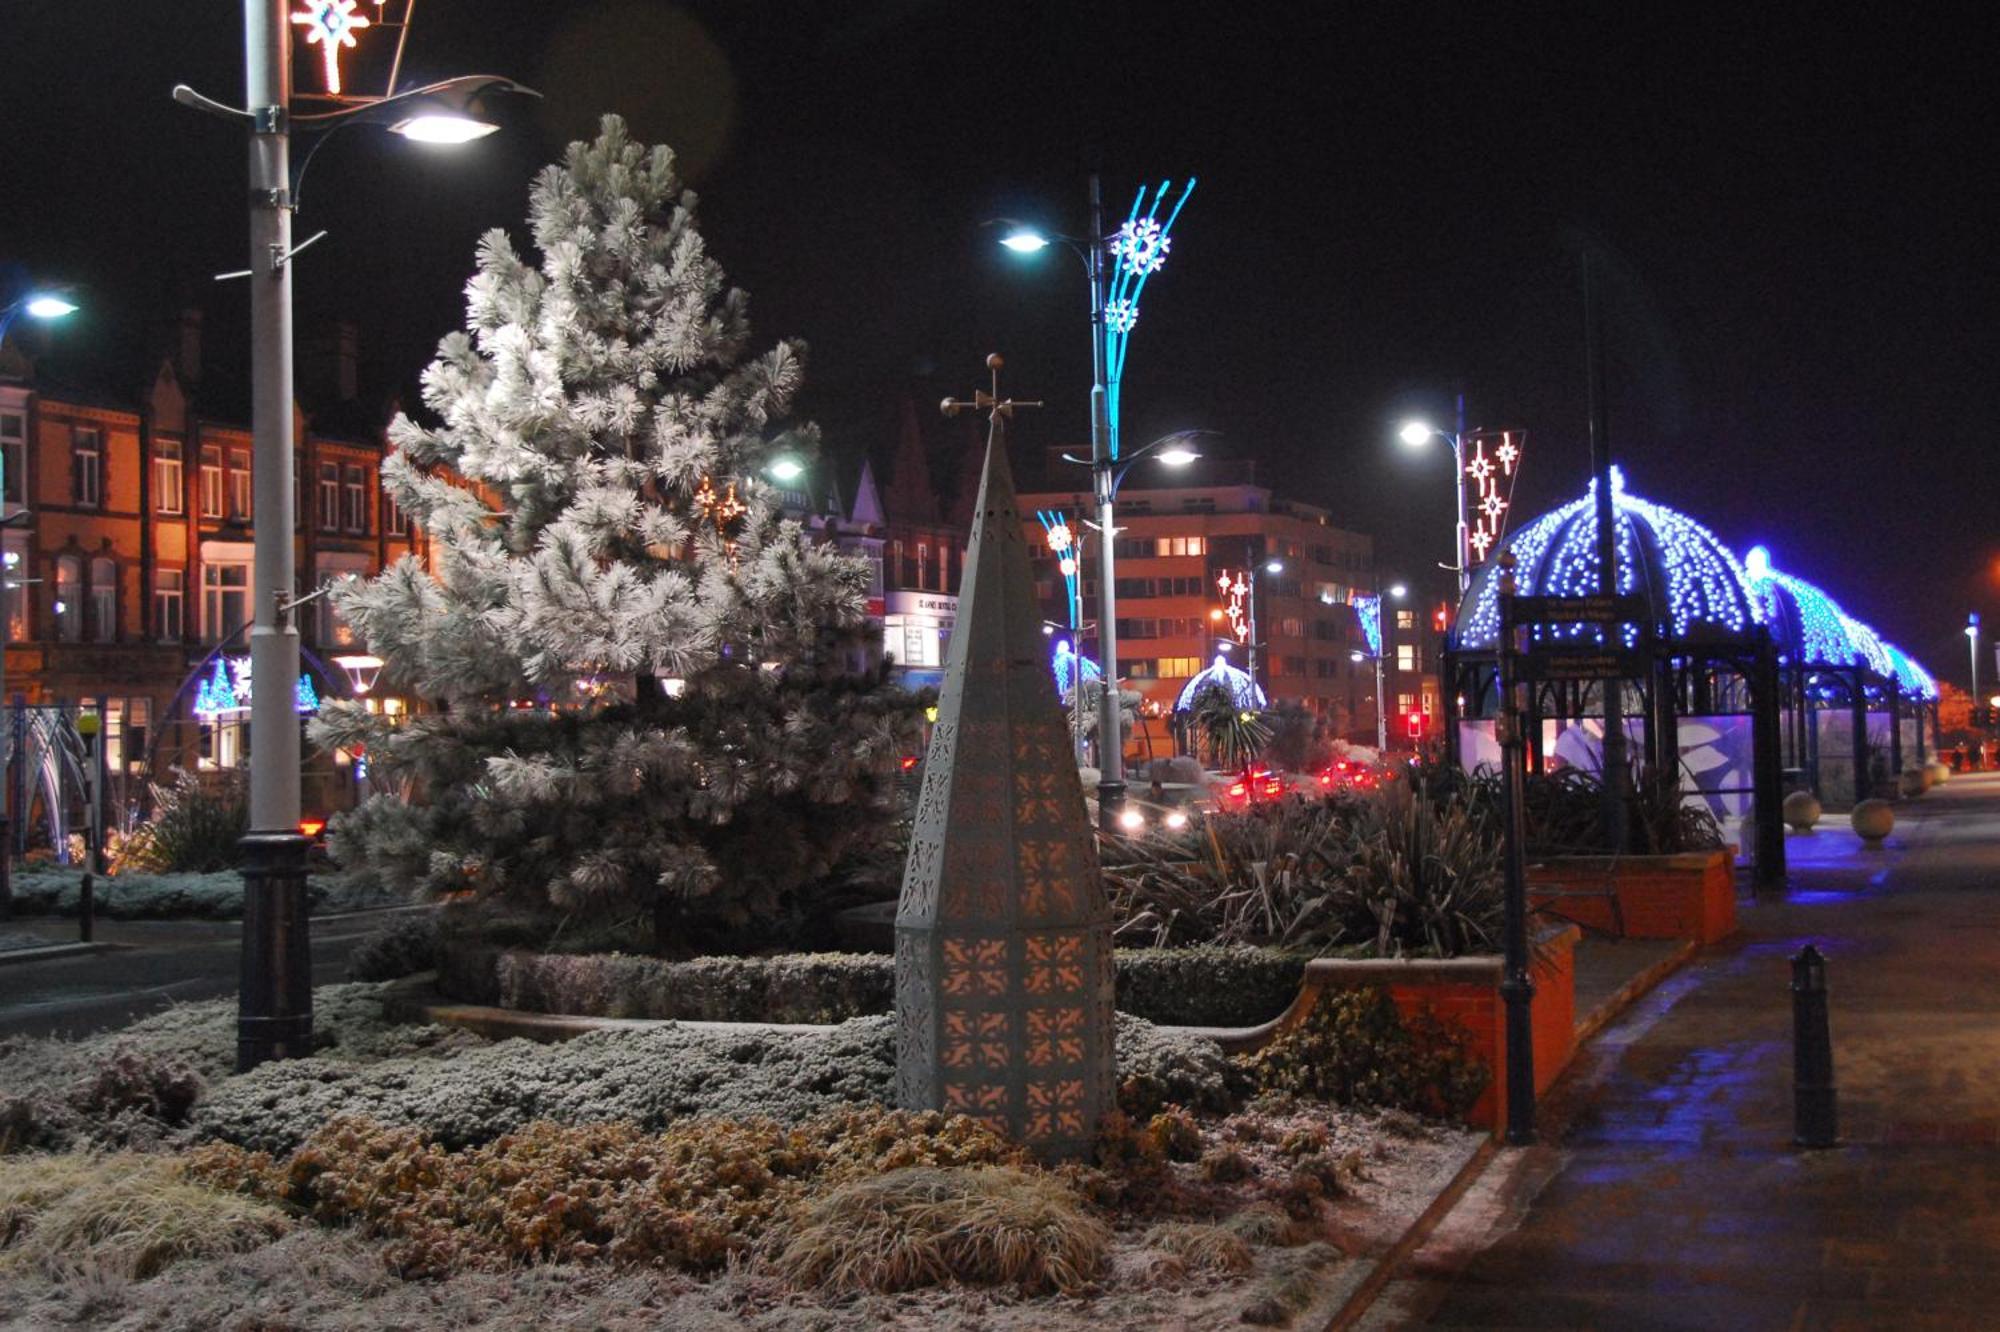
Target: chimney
187	346
346	358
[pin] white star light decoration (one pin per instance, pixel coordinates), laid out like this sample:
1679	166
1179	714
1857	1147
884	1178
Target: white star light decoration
1142	244
331	23
1121	314
1236	594
1488	473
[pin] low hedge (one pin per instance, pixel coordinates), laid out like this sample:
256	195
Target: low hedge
1203	986
49	890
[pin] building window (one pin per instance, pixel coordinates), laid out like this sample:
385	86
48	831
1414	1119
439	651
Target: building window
169	595
1406	656
924	566
69	599
1406	619
354	500
328	497
1138	628
944	566
103	600
15	593
1173	547
225	599
86	466
1292	666
168	481
1406	703
1178	668
1291	626
211	481
239	484
394	521
14	455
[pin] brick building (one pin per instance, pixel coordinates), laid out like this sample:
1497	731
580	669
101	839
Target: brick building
128	546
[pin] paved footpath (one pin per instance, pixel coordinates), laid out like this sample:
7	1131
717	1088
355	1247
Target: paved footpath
1671	1196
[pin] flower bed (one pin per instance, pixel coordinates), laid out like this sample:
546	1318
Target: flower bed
1686	896
1201	986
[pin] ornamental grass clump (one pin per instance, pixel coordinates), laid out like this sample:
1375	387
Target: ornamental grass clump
1394	875
196	827
123	1215
992	1225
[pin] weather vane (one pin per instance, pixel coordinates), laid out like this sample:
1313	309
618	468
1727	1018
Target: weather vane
991	403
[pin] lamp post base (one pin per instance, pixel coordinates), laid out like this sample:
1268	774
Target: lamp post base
274	999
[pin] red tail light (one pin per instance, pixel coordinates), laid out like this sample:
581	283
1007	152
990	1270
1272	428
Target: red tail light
909	761
312	827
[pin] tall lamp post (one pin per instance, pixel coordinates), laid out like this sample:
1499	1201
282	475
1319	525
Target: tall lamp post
1117	266
274	1013
1368	609
1972	641
35	305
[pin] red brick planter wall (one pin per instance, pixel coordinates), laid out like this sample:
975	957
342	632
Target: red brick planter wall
1689	896
1464	991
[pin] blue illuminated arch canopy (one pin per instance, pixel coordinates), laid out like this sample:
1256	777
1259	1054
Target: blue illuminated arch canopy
1241	687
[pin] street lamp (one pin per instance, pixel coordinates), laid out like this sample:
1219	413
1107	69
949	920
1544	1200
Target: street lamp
1418	434
1368	609
1116	266
274	1013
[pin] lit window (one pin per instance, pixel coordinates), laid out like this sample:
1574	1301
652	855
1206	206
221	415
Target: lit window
1406	619
239	483
169	480
14	455
225	599
329	497
103	600
394	521
169	595
86	466
69	599
211	482
354	500
1406	656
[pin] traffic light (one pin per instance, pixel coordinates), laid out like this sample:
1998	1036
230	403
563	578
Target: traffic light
1416	725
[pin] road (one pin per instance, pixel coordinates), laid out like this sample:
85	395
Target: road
153	964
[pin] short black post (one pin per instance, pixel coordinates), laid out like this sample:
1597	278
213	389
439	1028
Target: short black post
86	907
1517	982
1814	1122
274	1000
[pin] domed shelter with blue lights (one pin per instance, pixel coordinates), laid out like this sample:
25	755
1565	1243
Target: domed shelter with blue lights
1853	703
1721	665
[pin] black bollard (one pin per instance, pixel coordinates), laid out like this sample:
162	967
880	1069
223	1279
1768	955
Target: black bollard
1814	1122
86	914
274	999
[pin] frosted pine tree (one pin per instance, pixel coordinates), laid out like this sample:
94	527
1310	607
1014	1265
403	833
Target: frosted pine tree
592	489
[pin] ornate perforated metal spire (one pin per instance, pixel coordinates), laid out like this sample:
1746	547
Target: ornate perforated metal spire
1004	981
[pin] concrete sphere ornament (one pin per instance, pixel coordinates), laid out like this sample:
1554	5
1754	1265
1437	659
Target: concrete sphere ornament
1873	820
1910	783
1938	771
1801	811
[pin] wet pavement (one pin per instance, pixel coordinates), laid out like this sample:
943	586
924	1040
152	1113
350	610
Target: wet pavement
1672	1196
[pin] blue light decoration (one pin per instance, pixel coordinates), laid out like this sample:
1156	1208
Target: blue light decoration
1139	249
1064	664
226	691
1242	689
1693	581
216	694
1368	610
1813	630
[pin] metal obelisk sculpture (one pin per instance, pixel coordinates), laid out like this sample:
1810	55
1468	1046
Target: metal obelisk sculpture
1004	980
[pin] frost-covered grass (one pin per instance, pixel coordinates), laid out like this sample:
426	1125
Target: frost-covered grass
48	890
169	1078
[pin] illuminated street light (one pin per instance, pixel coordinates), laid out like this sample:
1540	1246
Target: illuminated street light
1025	241
786	469
1398	591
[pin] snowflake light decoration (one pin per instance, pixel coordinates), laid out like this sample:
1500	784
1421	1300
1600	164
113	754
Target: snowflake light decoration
1142	245
1121	315
331	23
1235	592
1490	473
1064	545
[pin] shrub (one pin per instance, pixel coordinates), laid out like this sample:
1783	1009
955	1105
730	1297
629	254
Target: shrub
1395	874
922	1227
195	828
1201	986
404	947
125	1214
1202	1247
1355	1048
692	1197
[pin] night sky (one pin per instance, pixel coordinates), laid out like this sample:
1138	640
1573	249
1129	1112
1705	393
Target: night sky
1797	221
